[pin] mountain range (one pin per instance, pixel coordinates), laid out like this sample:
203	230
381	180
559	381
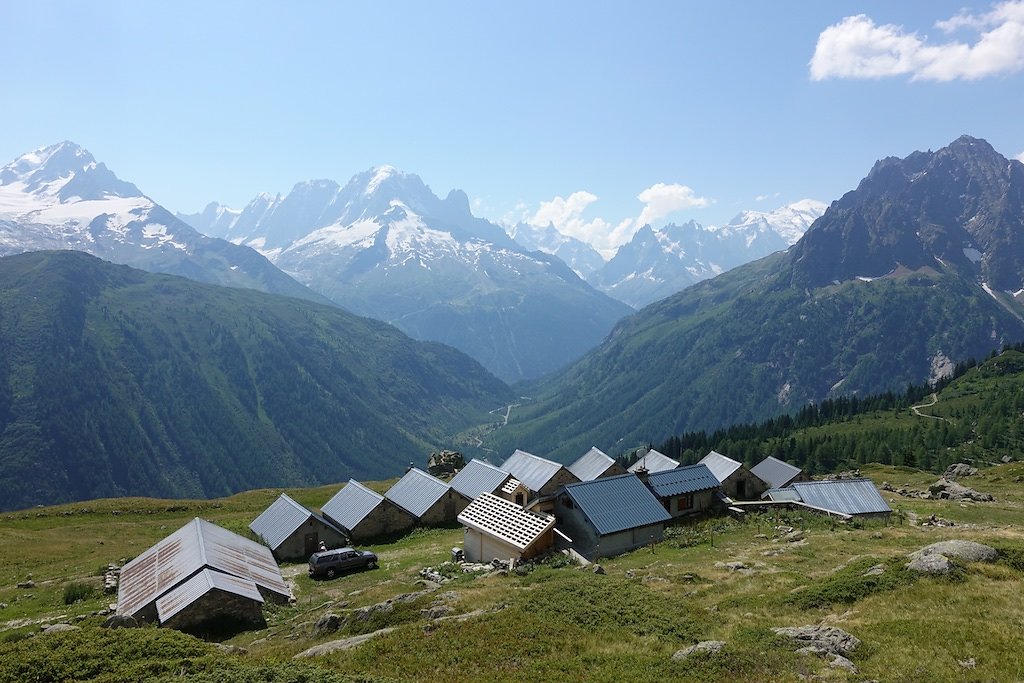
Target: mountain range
60	197
920	266
118	382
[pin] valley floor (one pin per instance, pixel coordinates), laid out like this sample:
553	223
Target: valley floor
724	580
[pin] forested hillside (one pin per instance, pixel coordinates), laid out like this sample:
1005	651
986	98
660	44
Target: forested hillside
118	382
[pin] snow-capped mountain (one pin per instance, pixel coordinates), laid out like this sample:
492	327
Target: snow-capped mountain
656	263
60	197
384	245
215	220
578	255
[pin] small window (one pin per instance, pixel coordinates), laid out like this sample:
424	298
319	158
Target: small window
520	498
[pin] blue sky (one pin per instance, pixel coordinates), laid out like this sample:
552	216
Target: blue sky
572	111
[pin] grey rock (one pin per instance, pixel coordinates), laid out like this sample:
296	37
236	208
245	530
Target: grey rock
61	628
231	649
1006	458
841	662
598	569
339	645
950	490
328	623
930	564
877	570
436	611
365	613
967	663
703	647
958	470
827	638
120	621
968	551
27	584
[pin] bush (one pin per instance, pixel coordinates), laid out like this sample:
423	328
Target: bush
75	592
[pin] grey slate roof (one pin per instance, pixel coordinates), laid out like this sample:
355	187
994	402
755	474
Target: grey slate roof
689	479
416	492
618	503
721	466
478	477
194	546
350	506
849	496
591	465
653	461
534	471
776	473
281	519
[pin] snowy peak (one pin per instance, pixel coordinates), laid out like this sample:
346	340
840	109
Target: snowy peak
790	222
63	173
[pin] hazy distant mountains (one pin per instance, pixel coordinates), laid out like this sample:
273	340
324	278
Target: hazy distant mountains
115	382
60	197
921	266
385	246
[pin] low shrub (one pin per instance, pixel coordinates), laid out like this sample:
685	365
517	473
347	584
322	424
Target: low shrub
76	592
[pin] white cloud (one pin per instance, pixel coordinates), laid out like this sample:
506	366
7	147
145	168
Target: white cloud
760	198
566	214
1020	157
856	47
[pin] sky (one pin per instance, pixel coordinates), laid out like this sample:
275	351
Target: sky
596	116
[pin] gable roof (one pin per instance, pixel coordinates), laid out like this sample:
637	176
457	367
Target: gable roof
591	464
849	496
505	521
534	471
775	472
199	585
416	492
281	519
653	461
194	546
618	503
721	466
478	477
689	479
350	506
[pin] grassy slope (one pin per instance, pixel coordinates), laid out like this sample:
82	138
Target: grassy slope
556	624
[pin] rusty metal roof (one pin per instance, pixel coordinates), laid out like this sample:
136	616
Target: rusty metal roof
416	492
591	464
199	585
279	521
194	546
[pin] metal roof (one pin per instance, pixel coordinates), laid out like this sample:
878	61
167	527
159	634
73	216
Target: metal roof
505	521
682	480
531	469
653	461
618	503
591	465
199	585
416	492
721	466
776	473
478	477
849	496
281	519
350	506
194	546
782	495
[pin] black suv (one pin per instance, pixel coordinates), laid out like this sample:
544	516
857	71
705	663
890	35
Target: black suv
330	563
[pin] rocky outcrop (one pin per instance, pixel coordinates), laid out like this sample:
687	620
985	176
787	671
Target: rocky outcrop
339	645
935	558
960	469
703	647
445	463
950	490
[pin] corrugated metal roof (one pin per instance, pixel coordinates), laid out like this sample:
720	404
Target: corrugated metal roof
279	521
849	496
350	506
196	545
689	479
614	504
653	461
534	471
416	492
721	466
591	465
478	477
506	521
782	495
199	585
776	473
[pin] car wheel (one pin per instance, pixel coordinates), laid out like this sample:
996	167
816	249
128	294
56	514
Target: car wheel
372	564
331	573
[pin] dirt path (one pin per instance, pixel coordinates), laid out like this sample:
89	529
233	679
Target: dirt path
934	399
